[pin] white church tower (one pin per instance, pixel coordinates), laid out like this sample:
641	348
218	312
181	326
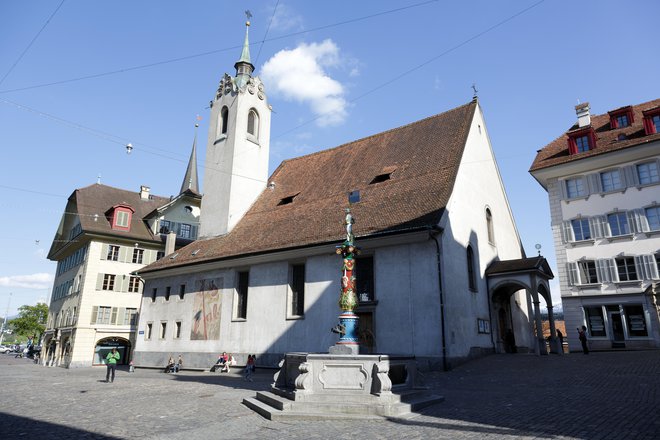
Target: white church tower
236	167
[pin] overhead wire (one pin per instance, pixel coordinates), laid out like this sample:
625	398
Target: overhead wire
18	60
270	22
417	67
211	52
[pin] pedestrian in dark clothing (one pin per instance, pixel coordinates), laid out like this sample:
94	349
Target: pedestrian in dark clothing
560	336
582	335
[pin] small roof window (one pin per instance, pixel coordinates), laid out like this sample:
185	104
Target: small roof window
287	200
385	174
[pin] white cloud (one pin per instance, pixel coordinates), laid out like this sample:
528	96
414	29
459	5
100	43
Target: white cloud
300	74
285	19
34	281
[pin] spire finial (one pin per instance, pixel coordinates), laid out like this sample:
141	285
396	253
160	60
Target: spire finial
474	88
244	67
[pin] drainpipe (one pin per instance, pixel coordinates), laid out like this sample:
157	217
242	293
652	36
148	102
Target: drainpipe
434	233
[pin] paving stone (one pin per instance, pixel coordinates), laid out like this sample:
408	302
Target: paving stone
605	395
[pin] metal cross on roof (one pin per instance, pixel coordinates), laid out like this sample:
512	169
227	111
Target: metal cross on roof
248	14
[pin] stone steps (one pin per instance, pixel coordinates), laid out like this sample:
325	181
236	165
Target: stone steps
275	407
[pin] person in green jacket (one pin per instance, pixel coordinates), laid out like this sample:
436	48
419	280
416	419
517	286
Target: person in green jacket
111	362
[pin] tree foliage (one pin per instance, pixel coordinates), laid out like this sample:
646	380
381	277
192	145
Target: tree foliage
31	320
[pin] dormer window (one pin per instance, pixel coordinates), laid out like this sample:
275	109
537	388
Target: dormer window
381	178
622	117
287	200
121	217
652	120
581	141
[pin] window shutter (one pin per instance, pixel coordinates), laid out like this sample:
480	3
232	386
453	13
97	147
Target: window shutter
95	312
614	272
573	275
562	187
99	281
121	316
602	271
572	146
174	227
595	227
607	231
595	185
649	269
123	286
113	316
104	252
643	221
567	232
123	257
193	232
632	179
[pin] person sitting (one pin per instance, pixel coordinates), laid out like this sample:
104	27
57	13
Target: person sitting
222	359
178	365
230	361
170	365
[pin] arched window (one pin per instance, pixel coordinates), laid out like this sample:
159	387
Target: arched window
253	123
472	280
489	225
224	119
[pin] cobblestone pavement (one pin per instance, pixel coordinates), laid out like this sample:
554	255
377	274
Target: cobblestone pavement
609	395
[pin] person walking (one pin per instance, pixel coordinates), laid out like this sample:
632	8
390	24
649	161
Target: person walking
111	363
582	335
249	368
560	336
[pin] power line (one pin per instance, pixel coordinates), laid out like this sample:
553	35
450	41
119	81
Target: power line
31	42
211	52
266	33
419	66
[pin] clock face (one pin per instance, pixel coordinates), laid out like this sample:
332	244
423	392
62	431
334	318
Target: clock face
261	87
260	95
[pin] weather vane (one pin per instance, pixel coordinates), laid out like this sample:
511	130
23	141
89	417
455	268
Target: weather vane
474	87
248	14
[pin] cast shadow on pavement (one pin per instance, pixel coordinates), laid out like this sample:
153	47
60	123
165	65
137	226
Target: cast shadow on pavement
12	426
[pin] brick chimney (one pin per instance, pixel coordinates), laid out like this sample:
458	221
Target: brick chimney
582	111
144	192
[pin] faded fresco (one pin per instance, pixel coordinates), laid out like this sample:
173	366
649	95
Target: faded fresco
206	310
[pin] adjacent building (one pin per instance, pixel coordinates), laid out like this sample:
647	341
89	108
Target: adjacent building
431	217
603	182
104	236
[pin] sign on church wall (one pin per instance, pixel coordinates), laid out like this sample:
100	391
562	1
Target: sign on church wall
206	310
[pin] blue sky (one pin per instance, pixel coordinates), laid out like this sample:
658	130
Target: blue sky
81	79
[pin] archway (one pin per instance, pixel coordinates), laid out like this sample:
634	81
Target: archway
512	334
105	345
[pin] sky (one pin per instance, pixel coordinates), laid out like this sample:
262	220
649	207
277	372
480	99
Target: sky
79	80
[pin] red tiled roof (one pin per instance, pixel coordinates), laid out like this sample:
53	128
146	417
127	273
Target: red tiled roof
422	157
94	201
556	152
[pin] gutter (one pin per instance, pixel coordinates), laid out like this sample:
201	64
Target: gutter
434	232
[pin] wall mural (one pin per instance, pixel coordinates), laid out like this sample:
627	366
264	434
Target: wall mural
206	310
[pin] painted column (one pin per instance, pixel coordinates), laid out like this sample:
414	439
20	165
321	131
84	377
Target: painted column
539	324
348	320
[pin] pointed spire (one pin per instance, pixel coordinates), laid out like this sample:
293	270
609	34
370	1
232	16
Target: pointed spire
244	67
190	180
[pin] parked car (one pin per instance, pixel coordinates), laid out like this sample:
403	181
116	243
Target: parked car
5	349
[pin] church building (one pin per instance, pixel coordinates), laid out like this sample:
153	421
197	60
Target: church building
441	274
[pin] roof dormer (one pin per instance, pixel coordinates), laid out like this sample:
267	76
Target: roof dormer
120	217
652	120
621	117
581	140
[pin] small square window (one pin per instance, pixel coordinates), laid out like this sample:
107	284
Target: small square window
108	282
622	121
154	293
134	285
581	229
626	268
648	173
138	255
653	218
611	180
163	329
182	291
177	329
168	292
618	222
582	144
148	330
113	253
575	188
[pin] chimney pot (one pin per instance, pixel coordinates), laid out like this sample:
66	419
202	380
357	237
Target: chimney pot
582	112
144	192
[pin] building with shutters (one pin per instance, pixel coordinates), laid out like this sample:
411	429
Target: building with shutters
104	236
603	183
